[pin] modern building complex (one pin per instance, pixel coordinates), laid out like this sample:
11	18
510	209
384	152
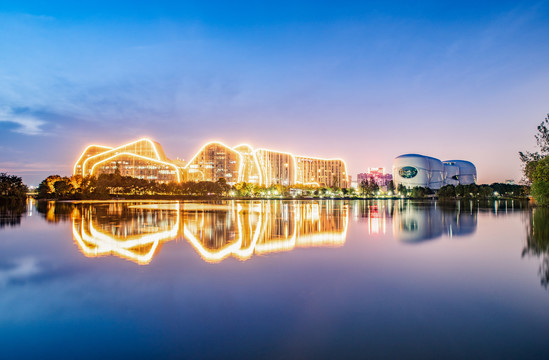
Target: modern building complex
145	159
413	170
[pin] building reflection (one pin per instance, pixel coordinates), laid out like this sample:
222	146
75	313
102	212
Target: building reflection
215	231
418	222
133	232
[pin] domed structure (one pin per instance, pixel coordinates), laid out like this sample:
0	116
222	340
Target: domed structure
467	172
412	170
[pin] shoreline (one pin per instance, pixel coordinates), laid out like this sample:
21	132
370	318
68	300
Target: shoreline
290	198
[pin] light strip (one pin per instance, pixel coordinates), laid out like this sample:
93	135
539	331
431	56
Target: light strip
118	148
84	152
139	156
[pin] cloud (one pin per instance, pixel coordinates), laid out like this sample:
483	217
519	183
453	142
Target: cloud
17	167
24	123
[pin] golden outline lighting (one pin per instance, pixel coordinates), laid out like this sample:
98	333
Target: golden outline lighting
94	242
215	231
145	159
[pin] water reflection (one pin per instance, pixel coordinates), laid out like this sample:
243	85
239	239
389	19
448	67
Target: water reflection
55	211
133	232
136	230
416	223
11	211
216	231
537	241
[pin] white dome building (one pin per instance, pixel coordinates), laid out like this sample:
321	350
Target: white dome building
467	172
412	170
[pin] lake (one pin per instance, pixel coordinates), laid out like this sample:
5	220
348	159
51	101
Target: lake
274	279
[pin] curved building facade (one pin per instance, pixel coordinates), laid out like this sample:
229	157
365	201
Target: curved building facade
466	171
412	170
145	159
214	161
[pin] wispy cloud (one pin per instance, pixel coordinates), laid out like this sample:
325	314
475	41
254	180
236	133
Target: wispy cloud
24	123
32	167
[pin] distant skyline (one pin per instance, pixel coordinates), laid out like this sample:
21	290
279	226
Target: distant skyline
364	82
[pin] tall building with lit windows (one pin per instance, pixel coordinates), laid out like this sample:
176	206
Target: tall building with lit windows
214	161
145	159
278	168
321	172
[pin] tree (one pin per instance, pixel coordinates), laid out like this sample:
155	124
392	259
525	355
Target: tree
391	186
46	188
536	165
12	187
63	188
448	191
530	159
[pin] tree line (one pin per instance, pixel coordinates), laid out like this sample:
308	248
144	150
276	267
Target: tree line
105	186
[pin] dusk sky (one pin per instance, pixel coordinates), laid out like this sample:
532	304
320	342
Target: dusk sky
365	82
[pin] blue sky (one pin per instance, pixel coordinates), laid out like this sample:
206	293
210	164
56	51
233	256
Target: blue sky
363	81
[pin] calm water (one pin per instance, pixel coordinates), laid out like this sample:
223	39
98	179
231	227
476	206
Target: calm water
280	279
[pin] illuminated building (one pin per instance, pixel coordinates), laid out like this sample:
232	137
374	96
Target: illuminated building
326	172
214	161
145	159
88	152
250	171
278	168
413	170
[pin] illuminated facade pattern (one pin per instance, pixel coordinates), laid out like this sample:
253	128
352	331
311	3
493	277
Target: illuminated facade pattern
134	233
215	231
145	159
314	171
214	161
88	152
277	168
250	172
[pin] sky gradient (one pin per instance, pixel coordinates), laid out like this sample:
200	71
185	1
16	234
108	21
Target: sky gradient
364	82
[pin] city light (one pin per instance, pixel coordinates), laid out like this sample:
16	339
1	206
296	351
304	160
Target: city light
213	161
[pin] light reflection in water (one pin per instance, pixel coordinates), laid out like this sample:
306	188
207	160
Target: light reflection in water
132	232
415	223
216	231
